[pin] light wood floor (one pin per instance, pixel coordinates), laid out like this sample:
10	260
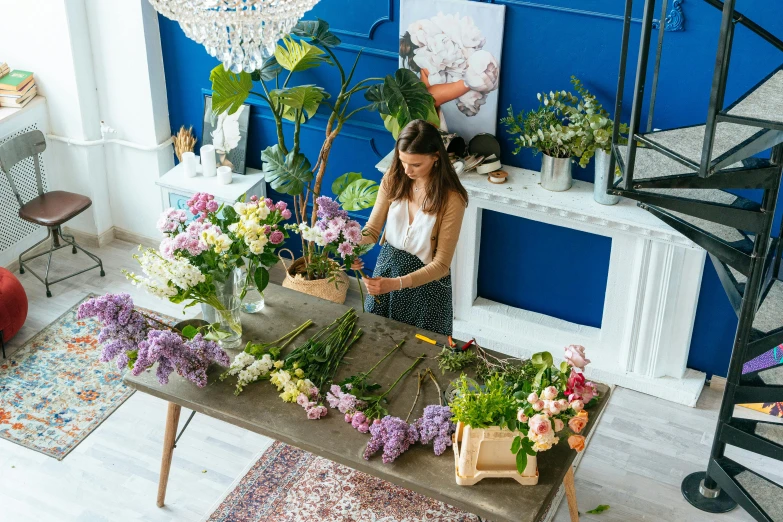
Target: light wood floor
642	449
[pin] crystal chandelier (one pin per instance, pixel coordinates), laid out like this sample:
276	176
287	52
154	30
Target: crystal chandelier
239	33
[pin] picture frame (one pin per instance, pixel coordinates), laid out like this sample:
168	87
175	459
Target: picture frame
227	130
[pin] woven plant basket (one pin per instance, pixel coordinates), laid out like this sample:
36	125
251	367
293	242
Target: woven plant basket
335	291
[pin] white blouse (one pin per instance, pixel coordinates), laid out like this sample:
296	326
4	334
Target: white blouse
413	238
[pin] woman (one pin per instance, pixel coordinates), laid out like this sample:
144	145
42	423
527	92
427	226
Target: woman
421	201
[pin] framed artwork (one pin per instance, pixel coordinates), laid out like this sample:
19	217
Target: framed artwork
228	134
455	48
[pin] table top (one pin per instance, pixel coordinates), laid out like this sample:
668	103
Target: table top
175	180
260	410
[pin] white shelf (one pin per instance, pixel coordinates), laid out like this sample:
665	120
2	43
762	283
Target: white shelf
175	181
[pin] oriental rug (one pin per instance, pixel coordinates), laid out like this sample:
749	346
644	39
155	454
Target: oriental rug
288	484
54	390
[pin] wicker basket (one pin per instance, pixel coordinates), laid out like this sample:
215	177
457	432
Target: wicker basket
335	291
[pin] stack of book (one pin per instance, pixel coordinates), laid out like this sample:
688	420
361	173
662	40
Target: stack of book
3	69
17	88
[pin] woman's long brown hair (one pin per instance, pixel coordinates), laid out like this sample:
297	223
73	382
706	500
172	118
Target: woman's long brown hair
421	137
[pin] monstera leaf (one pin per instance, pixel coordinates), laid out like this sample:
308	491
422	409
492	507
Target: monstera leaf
317	31
288	173
229	90
359	195
305	98
299	56
401	99
341	183
268	71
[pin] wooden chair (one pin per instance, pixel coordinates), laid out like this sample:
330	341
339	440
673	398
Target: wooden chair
50	209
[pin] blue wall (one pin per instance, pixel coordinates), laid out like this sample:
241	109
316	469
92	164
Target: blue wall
545	43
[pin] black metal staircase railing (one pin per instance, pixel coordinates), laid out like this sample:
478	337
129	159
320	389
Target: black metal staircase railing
682	176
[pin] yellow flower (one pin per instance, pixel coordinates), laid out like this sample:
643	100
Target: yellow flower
299	372
279	364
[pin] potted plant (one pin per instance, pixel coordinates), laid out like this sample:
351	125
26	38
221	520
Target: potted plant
400	97
503	425
546	130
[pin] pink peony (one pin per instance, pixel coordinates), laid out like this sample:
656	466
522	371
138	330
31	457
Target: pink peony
212	206
348	417
276	237
281	205
540	424
559	425
549	393
363	428
575	356
286	214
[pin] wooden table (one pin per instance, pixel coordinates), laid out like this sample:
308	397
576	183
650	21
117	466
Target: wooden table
260	410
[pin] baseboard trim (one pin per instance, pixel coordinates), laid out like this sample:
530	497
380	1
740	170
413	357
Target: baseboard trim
132	237
718	383
88	240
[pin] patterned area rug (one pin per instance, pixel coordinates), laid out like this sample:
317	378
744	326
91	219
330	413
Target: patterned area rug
54	390
291	485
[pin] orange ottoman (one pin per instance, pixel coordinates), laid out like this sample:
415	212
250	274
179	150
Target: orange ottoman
13	306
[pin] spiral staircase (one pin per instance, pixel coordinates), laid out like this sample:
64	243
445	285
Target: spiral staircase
684	177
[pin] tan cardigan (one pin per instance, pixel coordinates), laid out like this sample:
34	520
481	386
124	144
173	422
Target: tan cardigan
445	234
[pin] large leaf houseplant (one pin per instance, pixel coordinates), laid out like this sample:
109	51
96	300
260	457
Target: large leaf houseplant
398	98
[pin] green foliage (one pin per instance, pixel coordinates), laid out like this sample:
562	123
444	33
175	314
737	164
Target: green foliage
261	278
287	173
317	31
268	71
494	405
229	90
189	332
299	56
404	97
341	183
359	195
543	129
302	99
523	447
451	361
598	510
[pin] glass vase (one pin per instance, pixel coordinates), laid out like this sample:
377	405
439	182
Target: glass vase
254	300
228	318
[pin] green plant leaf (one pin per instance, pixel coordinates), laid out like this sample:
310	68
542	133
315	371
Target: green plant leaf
542	360
359	195
261	278
229	214
374	95
268	259
189	332
521	462
305	98
600	509
407	97
286	173
268	71
515	444
299	56
391	124
229	90
341	183
317	31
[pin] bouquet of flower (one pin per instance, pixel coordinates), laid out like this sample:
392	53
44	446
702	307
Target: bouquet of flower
137	340
196	258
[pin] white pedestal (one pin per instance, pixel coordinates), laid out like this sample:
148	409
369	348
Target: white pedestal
651	292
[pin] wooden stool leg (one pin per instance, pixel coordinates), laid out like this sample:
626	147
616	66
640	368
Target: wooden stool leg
172	421
570	491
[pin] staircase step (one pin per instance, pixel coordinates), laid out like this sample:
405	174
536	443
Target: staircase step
733	143
772	376
730	280
763	438
757	495
729	245
758	392
764	102
713	205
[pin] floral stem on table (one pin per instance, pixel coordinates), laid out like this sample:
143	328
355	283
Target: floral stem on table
361	273
419	380
374	408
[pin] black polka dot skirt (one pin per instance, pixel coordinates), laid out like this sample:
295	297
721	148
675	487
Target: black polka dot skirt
427	307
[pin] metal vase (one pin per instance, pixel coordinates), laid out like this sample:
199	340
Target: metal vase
601	174
556	173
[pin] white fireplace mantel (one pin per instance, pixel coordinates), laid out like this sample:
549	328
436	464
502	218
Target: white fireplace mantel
651	292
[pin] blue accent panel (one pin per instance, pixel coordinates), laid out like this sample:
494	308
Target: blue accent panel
675	20
586	45
541	274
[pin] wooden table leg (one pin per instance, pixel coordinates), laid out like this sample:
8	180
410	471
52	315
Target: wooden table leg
172	421
570	491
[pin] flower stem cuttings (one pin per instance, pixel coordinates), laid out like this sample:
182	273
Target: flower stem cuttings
375	408
453	361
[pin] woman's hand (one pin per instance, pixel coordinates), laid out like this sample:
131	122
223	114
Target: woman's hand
381	285
357	264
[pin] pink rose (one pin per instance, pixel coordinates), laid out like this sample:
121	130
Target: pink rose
348	417
549	393
286	214
577	405
538	405
576	442
562	404
540	424
212	206
363	428
553	408
578	423
559	425
521	417
276	237
575	356
533	397
588	392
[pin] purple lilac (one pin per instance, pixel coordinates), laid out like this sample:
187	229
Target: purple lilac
123	327
393	435
435	426
329	208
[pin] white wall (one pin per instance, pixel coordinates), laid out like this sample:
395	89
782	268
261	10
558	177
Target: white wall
97	60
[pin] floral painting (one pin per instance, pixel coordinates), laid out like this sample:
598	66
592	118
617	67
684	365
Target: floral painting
228	133
455	46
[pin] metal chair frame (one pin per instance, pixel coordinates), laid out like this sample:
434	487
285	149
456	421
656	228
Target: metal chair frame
30	145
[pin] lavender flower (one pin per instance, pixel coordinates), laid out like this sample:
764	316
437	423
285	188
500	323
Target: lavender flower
392	434
435	426
124	328
329	208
